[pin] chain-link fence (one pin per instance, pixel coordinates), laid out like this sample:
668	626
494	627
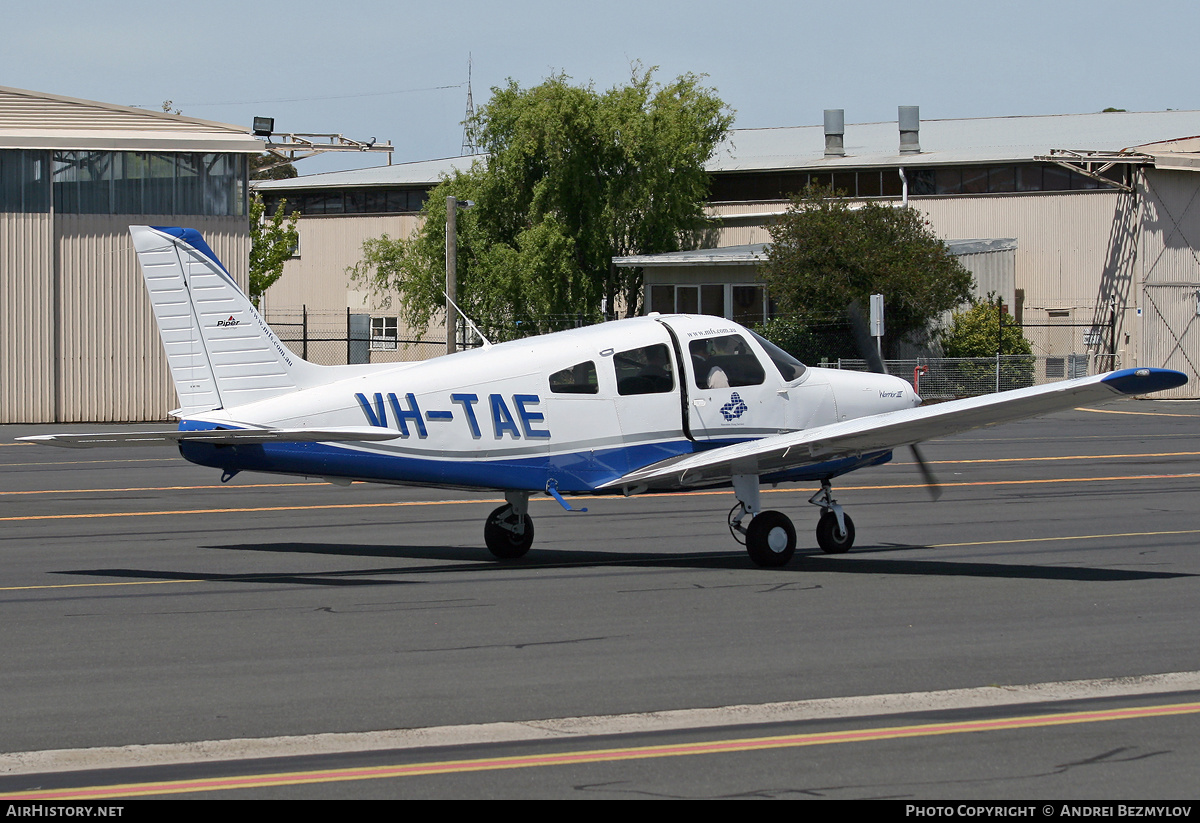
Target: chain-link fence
334	338
947	378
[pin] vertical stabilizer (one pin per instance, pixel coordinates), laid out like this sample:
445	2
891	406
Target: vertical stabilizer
221	352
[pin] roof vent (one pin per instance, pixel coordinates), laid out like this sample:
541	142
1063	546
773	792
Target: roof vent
910	129
835	131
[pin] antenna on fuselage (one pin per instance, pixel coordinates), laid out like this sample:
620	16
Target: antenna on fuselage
463	315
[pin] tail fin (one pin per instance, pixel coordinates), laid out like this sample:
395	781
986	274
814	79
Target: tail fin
220	351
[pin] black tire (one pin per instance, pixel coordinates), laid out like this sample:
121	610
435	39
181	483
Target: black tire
502	543
827	534
771	539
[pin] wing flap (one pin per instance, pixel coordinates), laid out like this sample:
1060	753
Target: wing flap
883	432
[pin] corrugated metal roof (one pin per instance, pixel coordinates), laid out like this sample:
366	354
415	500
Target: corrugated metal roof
943	142
36	120
726	256
754	253
425	172
947	142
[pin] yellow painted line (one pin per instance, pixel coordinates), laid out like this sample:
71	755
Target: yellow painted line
1141	456
1066	537
1064	457
1142	414
101	585
406	503
93	462
249	509
574	758
163	488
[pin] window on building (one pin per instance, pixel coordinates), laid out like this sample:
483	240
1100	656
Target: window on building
384	334
367	200
749	305
115	182
922	180
671	299
24	181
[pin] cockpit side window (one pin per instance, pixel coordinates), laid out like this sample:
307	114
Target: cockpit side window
724	362
578	379
789	367
644	371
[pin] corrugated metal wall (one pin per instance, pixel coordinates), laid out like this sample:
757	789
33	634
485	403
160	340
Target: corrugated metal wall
80	343
1169	273
26	318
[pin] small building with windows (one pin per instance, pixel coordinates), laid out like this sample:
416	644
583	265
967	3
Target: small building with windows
338	212
79	338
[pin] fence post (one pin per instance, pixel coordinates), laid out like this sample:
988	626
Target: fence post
304	331
348	344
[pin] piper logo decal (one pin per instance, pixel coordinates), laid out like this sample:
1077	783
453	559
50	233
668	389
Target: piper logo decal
229	322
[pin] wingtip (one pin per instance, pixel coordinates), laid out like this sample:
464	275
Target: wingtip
1144	380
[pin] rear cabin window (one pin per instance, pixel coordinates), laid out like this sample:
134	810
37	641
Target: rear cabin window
644	371
725	362
579	379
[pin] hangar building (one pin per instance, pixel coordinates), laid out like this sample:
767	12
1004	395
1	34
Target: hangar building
79	340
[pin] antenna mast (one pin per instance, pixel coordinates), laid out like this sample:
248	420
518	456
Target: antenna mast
469	145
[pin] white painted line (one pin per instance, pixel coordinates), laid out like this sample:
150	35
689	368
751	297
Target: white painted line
157	754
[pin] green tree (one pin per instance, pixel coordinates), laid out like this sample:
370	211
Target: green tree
266	166
272	242
824	255
573	178
984	331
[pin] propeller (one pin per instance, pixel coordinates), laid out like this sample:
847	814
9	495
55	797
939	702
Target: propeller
870	353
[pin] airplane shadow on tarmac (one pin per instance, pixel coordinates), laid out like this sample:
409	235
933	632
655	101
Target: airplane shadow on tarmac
458	559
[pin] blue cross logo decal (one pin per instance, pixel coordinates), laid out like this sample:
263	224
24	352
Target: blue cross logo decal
735	408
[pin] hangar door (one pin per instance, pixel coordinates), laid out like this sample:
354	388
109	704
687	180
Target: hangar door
1171	275
1171	333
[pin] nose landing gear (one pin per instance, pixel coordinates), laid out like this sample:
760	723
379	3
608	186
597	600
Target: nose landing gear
770	539
835	529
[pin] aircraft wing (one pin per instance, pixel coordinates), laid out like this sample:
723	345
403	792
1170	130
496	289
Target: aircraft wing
884	432
219	437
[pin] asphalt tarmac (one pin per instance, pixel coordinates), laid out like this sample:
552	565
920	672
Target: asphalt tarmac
144	602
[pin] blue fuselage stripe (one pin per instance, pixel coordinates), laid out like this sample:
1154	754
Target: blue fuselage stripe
574	472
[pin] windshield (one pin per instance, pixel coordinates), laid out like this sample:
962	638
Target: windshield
789	367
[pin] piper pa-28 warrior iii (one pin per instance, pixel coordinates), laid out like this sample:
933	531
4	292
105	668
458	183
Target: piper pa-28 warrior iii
643	404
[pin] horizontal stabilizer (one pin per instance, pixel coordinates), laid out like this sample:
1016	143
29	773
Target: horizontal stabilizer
884	432
217	437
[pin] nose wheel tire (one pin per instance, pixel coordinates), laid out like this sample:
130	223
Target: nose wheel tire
500	534
771	539
827	534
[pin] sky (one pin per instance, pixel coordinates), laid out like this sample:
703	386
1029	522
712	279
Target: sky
397	71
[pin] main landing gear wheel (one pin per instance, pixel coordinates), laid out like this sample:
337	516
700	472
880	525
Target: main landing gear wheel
827	533
771	539
505	535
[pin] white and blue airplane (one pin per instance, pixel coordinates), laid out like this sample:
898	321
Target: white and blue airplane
662	402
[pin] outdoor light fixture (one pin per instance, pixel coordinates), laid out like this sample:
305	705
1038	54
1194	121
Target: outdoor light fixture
264	126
